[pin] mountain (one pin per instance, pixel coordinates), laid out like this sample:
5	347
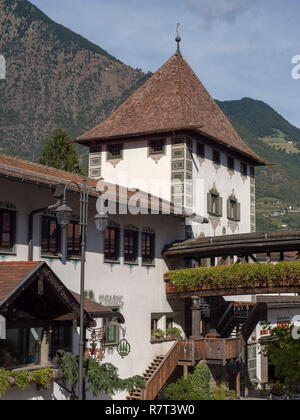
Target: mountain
277	185
55	78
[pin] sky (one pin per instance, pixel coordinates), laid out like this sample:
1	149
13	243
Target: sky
238	48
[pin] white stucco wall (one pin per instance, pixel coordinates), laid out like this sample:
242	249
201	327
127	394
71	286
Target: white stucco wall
141	289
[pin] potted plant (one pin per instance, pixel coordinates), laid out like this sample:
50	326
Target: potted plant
157	334
173	333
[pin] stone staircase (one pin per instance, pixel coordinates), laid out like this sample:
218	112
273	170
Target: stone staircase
137	393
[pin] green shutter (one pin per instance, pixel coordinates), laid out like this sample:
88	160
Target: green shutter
209	203
220	206
228	209
238	211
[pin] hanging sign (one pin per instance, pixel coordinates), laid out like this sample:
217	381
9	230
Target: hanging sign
2	328
123	348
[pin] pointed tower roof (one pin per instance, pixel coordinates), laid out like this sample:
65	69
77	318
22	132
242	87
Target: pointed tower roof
172	99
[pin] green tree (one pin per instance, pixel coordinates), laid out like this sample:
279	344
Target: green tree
195	387
59	153
283	352
101	378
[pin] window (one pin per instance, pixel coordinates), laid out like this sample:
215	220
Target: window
112	331
131	238
216	156
148	247
50	236
244	169
201	150
61	339
252	171
233	209
214	203
111	243
230	163
114	151
74	239
7	229
156	147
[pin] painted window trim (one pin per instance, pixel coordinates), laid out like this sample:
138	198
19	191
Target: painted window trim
162	152
119	157
219	203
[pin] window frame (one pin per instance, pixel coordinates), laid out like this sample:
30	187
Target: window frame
214	203
244	169
233	209
11	232
47	253
132	234
215	153
110	156
230	160
159	152
73	253
200	153
115	256
148	260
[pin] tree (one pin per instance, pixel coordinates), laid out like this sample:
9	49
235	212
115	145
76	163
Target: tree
59	153
283	352
101	378
195	387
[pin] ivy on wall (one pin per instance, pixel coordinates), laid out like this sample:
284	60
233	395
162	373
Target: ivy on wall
238	275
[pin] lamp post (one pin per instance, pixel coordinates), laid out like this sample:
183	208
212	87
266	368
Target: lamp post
64	214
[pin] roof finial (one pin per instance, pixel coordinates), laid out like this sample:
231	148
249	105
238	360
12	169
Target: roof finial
178	39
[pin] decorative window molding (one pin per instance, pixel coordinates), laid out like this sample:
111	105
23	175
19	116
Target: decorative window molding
233	209
157	149
214	203
115	153
4	205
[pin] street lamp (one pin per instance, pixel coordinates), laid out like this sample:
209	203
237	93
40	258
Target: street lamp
64	214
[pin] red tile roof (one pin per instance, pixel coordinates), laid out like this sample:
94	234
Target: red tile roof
33	172
13	273
172	99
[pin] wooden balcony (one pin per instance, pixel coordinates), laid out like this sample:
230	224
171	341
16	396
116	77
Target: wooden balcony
211	350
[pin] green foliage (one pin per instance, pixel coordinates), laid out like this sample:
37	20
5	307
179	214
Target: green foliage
173	331
157	333
283	352
24	378
246	275
195	387
60	154
221	393
102	378
201	381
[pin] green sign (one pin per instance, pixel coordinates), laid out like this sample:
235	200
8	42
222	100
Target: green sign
123	348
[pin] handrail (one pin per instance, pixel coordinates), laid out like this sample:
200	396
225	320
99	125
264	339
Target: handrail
159	368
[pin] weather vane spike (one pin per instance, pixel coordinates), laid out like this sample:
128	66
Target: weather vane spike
178	39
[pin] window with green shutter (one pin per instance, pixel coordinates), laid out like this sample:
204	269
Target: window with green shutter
214	203
233	209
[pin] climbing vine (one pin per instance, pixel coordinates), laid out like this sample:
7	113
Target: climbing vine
23	379
245	275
